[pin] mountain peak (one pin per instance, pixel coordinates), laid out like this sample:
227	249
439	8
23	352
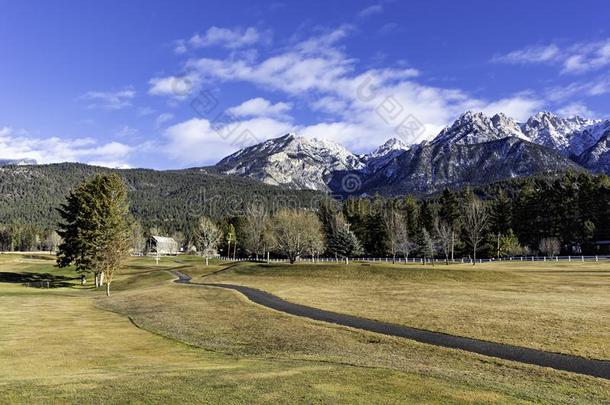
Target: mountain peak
476	127
389	145
570	136
292	161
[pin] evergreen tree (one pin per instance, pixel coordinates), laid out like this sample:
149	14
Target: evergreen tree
96	228
500	218
345	244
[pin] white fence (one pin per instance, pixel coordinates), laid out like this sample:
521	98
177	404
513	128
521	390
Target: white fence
420	260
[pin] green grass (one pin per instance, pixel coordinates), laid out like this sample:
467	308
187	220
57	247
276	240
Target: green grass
209	345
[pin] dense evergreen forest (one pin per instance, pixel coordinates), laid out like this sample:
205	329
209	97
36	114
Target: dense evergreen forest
573	209
522	213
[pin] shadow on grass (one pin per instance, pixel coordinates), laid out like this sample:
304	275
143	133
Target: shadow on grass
38	280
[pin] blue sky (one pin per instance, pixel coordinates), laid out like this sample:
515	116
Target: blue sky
165	84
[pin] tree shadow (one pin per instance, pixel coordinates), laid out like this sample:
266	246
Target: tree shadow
37	280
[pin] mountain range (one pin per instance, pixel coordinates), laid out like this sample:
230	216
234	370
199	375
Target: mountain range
475	149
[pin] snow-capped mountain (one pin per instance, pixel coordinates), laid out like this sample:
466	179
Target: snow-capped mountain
17	162
428	168
570	136
472	128
291	161
383	154
474	149
597	157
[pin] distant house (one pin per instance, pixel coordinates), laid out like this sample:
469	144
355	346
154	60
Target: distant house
162	245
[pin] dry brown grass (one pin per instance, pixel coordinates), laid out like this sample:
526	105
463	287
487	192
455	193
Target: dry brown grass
58	345
225	321
562	307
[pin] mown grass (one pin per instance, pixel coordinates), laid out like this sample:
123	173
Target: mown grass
561	307
58	348
225	322
71	344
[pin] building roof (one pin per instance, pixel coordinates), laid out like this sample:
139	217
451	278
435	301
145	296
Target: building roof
163	239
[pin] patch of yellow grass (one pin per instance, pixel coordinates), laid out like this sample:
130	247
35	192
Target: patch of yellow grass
57	345
562	307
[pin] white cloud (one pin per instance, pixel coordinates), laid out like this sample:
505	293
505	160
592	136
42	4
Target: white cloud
113	164
231	38
587	56
111	100
197	141
532	54
127	131
143	111
260	107
388	28
370	10
180	46
576	109
174	86
14	144
162	119
519	107
363	108
577	58
591	87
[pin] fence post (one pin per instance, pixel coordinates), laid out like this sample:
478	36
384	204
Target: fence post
582	258
569	258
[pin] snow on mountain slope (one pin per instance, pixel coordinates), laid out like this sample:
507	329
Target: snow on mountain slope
476	127
291	161
384	154
429	168
597	157
474	144
570	136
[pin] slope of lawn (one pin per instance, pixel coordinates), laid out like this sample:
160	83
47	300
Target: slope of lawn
155	341
57	346
560	307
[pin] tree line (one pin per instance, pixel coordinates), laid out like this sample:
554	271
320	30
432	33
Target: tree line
531	216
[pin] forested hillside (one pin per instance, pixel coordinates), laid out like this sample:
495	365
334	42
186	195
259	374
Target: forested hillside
165	199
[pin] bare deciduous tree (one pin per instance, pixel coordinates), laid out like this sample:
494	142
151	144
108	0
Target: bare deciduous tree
428	246
395	226
549	246
405	244
137	239
207	237
296	232
52	241
254	229
444	231
475	220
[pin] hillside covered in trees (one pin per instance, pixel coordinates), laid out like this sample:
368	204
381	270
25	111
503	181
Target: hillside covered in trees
167	200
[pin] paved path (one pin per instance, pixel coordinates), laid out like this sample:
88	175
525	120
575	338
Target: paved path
575	364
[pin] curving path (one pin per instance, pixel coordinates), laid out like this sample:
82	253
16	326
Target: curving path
565	362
